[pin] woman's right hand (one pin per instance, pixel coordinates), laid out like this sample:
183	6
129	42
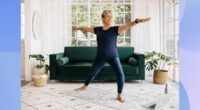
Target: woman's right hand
75	29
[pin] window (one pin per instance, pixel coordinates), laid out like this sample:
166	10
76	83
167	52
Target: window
87	13
172	34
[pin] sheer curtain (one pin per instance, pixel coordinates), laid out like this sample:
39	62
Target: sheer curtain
146	36
56	25
55	29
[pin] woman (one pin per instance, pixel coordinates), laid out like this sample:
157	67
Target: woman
107	49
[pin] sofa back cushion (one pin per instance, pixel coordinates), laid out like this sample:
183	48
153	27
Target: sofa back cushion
89	53
80	53
125	53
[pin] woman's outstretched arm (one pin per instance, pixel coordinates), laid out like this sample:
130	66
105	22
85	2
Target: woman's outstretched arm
130	24
84	29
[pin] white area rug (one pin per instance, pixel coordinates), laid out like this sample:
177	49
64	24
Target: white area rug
99	96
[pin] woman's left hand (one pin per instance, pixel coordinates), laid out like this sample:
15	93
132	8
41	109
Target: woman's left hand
143	20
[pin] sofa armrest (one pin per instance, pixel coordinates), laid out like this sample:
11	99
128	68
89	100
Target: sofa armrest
141	63
53	63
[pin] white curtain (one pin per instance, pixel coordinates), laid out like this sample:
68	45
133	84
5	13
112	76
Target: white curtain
55	29
56	25
146	36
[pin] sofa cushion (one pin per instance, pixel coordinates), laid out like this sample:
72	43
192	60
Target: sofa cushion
132	61
62	61
82	64
82	69
88	53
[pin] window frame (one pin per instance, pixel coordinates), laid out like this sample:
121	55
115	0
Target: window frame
91	38
171	35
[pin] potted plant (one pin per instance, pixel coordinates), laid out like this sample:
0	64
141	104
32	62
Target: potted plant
158	62
40	73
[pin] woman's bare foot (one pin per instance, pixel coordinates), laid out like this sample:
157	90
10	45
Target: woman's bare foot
120	98
83	88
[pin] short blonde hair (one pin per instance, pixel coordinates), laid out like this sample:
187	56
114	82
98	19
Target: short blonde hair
105	12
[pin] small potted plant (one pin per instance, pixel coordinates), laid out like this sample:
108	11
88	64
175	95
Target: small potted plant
157	61
40	73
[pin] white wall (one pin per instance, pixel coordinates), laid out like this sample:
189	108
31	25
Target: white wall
27	38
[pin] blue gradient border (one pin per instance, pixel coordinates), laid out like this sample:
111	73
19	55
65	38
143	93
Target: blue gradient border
10	54
189	55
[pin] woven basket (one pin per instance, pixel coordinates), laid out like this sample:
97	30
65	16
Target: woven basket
160	76
40	80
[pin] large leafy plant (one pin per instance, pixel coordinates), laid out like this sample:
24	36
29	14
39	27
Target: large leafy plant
157	61
41	61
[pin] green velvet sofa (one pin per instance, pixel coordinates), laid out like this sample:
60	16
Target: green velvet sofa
80	61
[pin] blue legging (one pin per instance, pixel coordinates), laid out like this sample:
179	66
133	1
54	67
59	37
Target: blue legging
116	65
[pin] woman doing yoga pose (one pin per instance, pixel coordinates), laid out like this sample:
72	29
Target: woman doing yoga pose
107	49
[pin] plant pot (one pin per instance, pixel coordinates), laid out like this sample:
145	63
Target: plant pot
160	76
39	70
40	80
